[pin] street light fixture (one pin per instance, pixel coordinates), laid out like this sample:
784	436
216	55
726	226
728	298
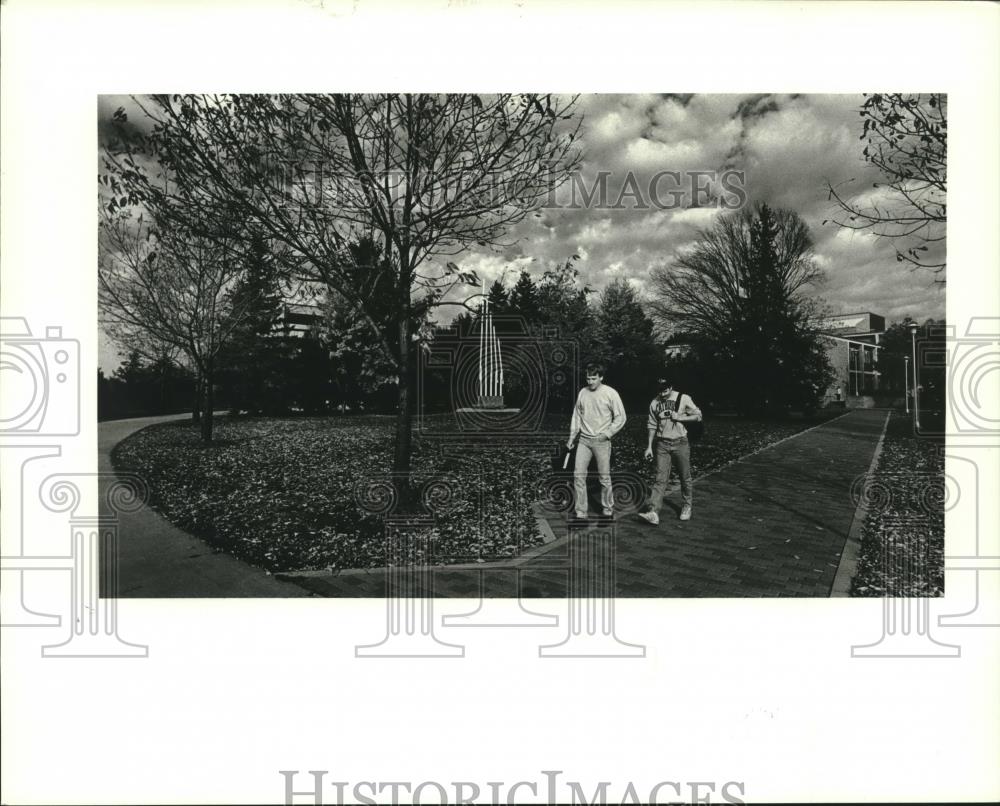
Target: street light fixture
916	386
906	382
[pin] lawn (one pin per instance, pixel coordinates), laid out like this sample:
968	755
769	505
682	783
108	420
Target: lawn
902	540
284	493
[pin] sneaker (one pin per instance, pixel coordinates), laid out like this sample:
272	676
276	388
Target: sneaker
685	513
650	517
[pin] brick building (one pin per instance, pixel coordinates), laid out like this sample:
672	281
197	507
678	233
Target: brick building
299	320
852	346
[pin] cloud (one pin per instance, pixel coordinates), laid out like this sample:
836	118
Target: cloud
789	147
108	130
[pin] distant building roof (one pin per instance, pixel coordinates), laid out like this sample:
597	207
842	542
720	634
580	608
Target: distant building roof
302	309
298	319
856	324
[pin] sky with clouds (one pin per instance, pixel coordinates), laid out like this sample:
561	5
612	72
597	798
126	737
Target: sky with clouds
787	146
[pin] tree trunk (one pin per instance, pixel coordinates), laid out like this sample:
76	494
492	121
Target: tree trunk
198	394
404	414
209	403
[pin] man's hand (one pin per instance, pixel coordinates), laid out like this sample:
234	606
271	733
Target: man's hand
649	454
569	443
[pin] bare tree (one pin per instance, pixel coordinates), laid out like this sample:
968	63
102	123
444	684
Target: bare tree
729	269
739	293
159	288
425	176
906	139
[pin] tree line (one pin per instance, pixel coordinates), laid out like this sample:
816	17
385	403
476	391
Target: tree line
738	301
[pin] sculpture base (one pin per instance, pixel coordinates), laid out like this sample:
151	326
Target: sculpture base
490	402
485	410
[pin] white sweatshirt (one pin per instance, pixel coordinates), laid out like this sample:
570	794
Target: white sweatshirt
597	413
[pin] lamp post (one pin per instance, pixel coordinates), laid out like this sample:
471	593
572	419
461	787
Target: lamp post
916	387
906	382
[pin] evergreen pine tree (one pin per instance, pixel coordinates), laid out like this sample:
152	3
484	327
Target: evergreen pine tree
252	363
627	344
524	298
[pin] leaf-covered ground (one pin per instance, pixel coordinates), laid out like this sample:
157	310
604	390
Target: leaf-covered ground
304	493
902	541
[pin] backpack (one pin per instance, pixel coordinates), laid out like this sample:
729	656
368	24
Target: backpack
695	430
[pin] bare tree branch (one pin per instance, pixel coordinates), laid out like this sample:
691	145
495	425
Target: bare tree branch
906	140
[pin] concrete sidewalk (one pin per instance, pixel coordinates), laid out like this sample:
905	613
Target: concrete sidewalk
157	560
772	524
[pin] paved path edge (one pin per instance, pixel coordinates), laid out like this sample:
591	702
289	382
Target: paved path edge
848	566
213	574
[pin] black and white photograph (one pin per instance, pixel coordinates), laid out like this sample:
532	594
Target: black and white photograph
344	333
484	402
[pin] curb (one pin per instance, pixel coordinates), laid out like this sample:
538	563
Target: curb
772	445
235	577
848	566
548	538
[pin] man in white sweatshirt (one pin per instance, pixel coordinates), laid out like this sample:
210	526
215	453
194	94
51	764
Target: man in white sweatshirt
597	416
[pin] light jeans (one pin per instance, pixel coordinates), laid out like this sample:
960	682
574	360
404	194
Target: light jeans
600	449
669	453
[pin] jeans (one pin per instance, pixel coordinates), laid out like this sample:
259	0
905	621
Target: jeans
676	453
600	449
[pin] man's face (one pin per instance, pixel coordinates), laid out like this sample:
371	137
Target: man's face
665	392
593	381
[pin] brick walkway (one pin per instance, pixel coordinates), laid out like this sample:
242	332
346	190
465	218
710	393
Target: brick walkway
772	524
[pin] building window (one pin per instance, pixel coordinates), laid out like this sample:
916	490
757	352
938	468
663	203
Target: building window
861	373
